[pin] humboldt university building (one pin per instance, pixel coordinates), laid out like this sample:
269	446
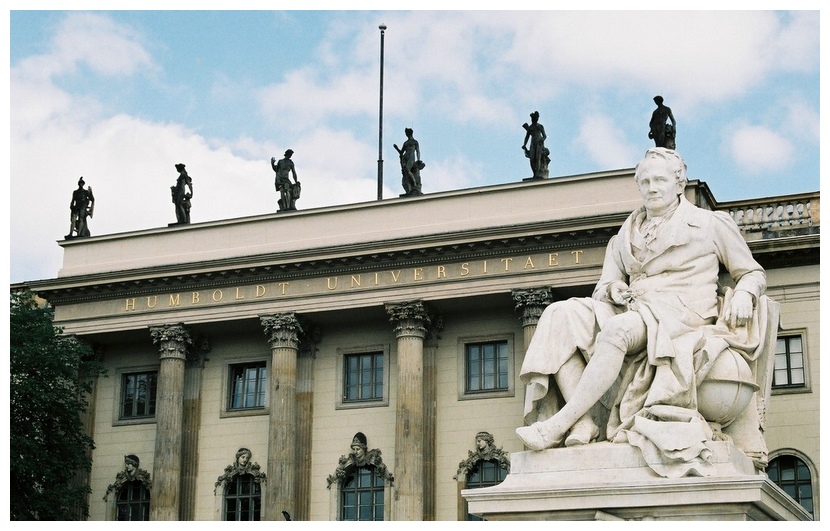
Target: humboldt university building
361	361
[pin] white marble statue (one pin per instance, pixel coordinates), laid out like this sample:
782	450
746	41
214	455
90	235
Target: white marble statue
627	364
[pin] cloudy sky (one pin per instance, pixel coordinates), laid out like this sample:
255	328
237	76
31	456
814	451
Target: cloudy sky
119	97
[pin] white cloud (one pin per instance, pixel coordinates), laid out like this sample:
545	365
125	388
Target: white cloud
757	149
605	142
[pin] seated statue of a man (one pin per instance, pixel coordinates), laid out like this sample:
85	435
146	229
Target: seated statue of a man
657	319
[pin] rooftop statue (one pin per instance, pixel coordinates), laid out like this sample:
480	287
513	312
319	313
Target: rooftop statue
661	132
80	209
411	164
181	195
289	192
538	154
640	361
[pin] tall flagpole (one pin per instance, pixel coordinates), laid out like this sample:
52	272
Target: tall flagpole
382	29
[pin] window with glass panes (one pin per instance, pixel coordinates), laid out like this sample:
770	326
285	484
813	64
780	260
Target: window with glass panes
133	502
789	362
363	377
793	476
361	495
243	499
486	474
247	386
138	395
486	366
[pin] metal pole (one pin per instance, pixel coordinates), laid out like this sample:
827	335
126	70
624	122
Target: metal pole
382	29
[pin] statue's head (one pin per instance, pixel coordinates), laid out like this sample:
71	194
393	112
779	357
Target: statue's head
486	438
81	182
359	444
180	167
534	116
658	100
669	156
288	153
243	455
131	462
408	131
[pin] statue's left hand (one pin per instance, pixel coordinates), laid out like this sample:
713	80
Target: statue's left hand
739	310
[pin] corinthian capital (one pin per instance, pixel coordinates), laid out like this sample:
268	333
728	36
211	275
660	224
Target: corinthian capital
411	318
531	302
172	340
283	329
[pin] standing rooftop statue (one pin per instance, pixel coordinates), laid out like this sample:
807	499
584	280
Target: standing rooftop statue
289	192
661	357
80	208
411	164
181	195
661	132
538	154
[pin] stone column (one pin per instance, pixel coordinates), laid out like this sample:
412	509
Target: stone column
305	419
411	321
192	421
167	460
283	332
530	303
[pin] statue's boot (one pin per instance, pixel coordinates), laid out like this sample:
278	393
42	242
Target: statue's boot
542	435
585	431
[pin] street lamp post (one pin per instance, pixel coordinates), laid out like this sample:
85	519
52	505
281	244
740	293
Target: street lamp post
382	29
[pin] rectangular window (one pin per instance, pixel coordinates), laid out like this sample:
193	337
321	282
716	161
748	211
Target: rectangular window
487	367
138	395
247	385
789	363
363	377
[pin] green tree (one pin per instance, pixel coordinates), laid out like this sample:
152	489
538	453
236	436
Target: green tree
50	377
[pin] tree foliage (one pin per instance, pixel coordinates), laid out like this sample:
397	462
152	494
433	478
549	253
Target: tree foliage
50	376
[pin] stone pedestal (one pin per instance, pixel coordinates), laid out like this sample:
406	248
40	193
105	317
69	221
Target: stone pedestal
606	481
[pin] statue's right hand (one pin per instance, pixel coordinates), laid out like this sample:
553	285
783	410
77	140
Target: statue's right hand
618	291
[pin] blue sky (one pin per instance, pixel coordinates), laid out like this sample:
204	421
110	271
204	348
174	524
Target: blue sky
119	97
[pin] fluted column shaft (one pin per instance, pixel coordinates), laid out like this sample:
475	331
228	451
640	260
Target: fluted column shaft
281	492
167	460
411	321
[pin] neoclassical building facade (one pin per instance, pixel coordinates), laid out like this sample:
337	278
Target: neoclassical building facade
361	361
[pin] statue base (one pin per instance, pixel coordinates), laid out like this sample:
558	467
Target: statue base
607	481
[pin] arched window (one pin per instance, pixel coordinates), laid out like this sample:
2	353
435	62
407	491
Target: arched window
485	466
485	474
243	499
133	502
361	496
793	476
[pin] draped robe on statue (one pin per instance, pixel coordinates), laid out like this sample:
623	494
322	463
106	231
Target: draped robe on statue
672	265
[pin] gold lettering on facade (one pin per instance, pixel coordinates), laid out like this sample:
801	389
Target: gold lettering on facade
260	291
283	285
238	296
442	272
329	284
356	281
195	298
465	269
529	263
215	297
507	263
174	300
155	301
377	278
130	305
485	266
396	275
417	273
553	259
576	255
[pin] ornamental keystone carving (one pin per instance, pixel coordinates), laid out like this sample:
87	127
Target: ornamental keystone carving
130	473
242	465
283	330
485	450
531	303
357	457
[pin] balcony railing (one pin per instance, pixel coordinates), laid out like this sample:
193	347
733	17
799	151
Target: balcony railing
775	214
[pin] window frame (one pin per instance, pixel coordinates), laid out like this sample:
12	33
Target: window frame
142	503
378	487
227	388
808	464
790	388
463	342
342	354
256	497
121	373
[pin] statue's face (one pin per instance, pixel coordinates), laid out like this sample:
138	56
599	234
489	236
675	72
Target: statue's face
129	467
659	187
358	451
481	443
243	459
